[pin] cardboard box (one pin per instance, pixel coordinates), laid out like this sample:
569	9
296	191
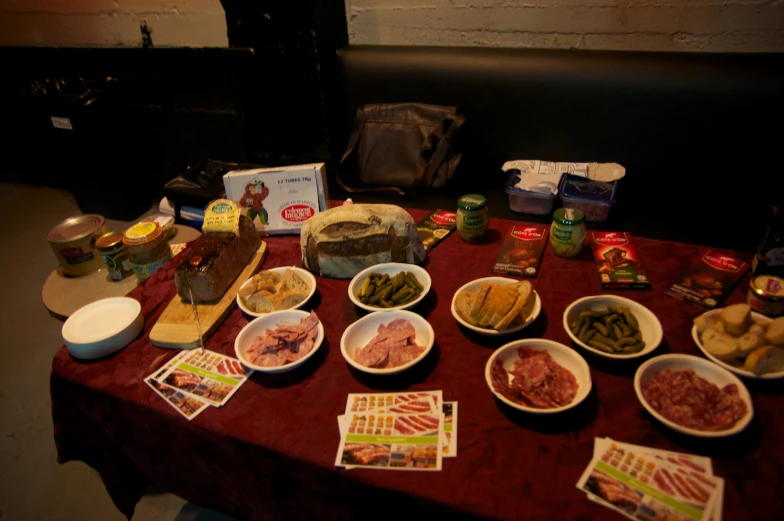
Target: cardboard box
709	279
617	262
279	200
522	249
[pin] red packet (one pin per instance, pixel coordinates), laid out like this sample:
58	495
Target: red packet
709	280
617	262
521	252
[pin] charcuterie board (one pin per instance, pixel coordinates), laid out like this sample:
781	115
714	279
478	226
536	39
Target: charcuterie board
176	328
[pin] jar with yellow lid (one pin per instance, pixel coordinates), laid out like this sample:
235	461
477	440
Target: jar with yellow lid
147	248
472	217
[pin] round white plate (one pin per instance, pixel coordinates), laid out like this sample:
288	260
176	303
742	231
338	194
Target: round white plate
565	356
650	327
391	269
259	325
103	327
740	371
306	276
473	286
705	369
358	334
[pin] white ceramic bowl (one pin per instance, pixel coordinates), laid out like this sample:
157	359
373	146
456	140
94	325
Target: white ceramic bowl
474	285
391	269
565	356
358	334
705	369
259	325
306	276
740	371
103	327
650	327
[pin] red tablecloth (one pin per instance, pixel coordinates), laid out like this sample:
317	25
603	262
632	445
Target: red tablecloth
269	453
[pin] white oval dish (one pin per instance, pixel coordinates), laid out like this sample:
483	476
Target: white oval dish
259	325
565	356
474	286
740	371
362	331
305	274
103	327
391	269
705	369
650	327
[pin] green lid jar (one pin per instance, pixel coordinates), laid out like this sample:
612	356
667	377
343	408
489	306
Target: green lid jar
567	232
472	217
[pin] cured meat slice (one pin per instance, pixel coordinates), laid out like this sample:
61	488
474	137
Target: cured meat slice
685	398
538	381
285	344
393	346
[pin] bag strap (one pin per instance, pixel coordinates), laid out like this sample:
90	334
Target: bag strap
444	145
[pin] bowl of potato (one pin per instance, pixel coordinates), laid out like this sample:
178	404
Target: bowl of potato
742	341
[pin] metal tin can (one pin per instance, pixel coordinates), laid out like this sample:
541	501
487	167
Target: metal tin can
766	295
114	255
147	249
472	217
73	243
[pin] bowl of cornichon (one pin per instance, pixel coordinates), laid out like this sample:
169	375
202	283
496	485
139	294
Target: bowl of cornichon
612	327
389	286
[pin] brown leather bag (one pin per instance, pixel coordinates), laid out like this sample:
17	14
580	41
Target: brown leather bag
401	147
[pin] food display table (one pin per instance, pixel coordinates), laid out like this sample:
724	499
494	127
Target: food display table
269	453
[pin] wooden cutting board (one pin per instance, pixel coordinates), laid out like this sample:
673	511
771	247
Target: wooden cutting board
176	327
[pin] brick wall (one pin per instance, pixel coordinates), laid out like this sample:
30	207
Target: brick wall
662	25
107	23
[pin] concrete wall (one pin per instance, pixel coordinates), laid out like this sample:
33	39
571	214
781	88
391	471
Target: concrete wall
106	23
662	25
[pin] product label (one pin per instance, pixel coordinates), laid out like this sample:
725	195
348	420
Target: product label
143	271
443	217
521	251
561	234
76	255
297	213
473	220
221	215
722	262
435	227
617	262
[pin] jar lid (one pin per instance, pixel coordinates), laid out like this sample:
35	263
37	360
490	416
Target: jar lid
142	233
568	216
109	240
75	228
768	286
472	202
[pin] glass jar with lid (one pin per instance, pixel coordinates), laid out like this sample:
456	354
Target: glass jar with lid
472	217
567	231
147	248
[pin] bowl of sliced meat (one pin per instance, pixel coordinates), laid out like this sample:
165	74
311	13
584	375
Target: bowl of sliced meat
693	396
279	341
538	376
387	342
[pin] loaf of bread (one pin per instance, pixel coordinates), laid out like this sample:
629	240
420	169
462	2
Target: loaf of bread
737	319
775	332
343	241
214	261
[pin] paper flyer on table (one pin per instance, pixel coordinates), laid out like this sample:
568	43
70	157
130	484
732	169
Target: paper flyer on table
209	376
640	483
450	429
391	441
400	403
188	406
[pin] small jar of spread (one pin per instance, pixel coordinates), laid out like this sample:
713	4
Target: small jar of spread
114	255
567	232
472	217
147	249
766	295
